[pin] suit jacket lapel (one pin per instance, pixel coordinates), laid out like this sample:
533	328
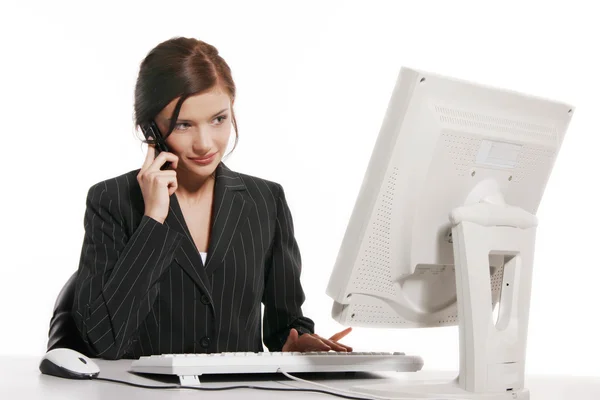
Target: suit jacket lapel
186	255
231	205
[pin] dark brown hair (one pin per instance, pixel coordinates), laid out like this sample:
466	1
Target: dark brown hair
179	67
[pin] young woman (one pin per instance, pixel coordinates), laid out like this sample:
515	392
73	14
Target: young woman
179	259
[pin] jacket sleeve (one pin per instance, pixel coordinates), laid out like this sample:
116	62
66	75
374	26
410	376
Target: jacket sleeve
283	295
117	275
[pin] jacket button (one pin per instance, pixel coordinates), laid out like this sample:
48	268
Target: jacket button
205	342
204	299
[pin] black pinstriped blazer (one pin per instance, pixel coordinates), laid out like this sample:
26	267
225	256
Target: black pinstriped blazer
143	289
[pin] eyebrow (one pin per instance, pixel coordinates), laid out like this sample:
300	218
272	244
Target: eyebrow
188	120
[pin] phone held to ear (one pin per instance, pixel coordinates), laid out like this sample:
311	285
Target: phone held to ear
152	134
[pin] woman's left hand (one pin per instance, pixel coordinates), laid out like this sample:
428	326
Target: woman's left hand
314	342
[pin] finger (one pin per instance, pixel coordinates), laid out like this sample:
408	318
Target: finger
335	345
163	157
158	179
291	340
149	156
166	176
341	334
172	187
308	341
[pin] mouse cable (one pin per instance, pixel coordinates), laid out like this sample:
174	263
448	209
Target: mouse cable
232	387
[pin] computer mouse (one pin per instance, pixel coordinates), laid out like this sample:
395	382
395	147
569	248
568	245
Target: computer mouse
68	363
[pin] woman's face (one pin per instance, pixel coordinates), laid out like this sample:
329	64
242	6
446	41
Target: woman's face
203	128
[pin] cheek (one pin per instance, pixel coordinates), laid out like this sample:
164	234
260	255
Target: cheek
223	138
178	143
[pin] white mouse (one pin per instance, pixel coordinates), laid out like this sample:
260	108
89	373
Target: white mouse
67	363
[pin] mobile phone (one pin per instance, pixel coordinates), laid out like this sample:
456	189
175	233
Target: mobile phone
152	134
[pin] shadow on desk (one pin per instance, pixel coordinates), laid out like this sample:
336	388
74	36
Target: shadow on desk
264	377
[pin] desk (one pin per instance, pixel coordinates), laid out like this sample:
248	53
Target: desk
21	378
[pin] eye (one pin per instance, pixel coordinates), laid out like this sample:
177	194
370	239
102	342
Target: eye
181	123
224	117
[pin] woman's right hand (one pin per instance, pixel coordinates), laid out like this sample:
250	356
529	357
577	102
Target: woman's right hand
157	185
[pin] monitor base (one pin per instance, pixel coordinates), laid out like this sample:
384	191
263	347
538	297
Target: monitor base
435	390
492	352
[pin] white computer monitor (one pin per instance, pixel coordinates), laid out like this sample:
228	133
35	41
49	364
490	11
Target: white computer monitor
448	201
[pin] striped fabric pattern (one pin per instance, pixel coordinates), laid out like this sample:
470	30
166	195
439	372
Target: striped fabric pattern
142	287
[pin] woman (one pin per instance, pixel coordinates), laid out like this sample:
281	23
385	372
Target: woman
179	260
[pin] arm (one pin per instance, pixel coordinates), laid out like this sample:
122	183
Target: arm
283	295
116	280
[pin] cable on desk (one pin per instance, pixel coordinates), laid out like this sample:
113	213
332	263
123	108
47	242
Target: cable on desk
339	391
231	387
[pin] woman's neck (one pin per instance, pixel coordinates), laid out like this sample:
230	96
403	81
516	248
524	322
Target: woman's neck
193	190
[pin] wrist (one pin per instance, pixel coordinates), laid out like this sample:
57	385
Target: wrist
157	219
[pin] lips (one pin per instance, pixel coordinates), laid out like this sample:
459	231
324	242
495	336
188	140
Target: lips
203	158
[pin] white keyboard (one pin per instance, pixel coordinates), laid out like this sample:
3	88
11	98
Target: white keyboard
189	365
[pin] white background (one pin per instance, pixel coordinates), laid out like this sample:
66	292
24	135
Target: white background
313	80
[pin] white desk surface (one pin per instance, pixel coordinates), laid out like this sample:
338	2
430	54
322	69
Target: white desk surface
20	377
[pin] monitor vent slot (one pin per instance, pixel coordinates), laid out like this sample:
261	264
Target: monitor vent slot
468	119
374	272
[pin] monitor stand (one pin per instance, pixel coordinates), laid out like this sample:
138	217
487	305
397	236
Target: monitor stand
492	353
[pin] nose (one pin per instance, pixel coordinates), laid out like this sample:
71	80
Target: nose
202	142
